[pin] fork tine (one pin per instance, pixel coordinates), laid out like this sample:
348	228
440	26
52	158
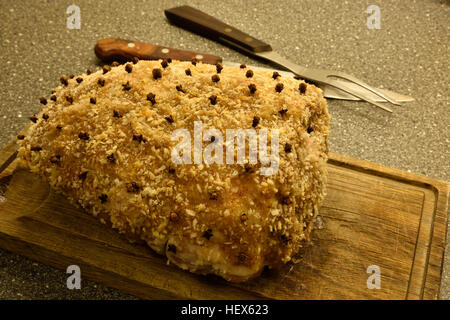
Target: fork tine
342	87
355	80
317	75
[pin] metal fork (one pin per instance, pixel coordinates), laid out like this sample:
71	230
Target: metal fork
201	23
328	77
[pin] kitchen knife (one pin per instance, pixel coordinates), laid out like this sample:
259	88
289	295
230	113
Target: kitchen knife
208	26
112	49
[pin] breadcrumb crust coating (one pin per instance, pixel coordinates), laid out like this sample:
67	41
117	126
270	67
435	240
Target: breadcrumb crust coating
103	139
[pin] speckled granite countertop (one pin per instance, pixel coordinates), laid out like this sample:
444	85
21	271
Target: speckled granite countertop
409	54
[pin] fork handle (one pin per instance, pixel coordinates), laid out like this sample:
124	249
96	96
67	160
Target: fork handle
111	49
203	24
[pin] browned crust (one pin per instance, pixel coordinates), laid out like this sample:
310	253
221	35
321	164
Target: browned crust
138	188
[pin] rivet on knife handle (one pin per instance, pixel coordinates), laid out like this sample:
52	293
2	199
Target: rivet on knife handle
113	49
199	22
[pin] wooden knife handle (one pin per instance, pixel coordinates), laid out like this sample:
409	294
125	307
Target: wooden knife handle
120	50
199	22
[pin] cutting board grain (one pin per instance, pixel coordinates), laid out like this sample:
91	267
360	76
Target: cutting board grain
372	215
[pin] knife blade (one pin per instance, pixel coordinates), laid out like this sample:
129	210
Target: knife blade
114	49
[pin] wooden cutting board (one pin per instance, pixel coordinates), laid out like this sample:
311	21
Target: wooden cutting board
372	215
